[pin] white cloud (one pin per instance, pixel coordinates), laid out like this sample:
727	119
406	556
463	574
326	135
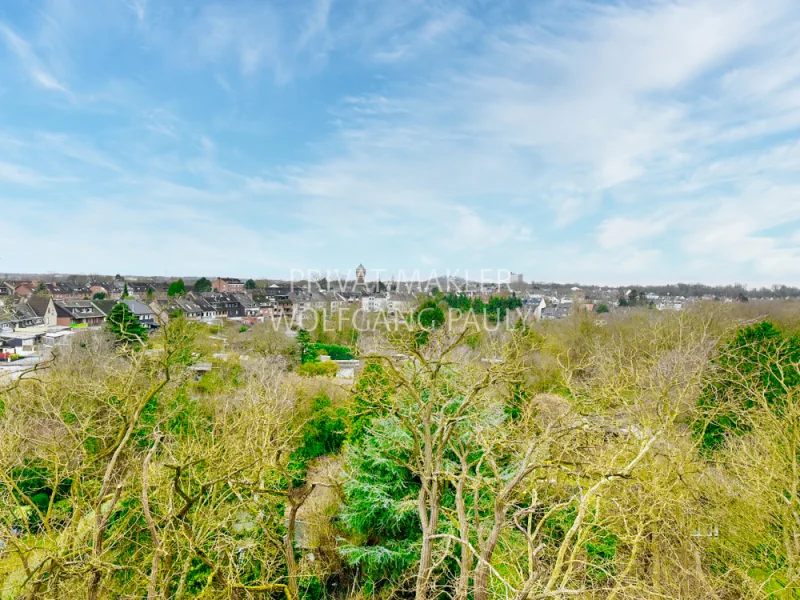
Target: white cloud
139	9
623	231
595	140
17	174
21	175
30	61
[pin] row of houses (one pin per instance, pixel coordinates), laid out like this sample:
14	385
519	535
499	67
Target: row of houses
208	306
113	290
45	311
280	304
42	319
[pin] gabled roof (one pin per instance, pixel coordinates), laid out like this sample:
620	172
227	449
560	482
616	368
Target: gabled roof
24	311
39	304
105	306
184	304
137	308
201	302
244	300
67	308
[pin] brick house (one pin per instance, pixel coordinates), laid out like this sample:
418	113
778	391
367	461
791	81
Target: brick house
78	313
225	285
24	289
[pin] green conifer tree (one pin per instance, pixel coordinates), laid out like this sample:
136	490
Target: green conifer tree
125	325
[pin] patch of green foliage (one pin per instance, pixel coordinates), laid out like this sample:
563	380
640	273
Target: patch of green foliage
177	288
334	351
318	369
125	325
759	358
429	315
600	546
496	309
372	387
380	509
305	347
324	433
36	483
202	285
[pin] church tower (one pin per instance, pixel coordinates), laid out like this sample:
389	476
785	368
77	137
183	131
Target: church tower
361	273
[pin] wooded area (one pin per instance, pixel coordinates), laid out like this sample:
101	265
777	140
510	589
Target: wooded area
637	455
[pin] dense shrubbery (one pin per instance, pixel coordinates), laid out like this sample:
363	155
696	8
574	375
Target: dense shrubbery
496	309
318	369
643	455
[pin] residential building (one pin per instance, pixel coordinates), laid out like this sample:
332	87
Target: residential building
66	291
374	303
44	308
163	308
7	322
388	302
399	303
209	312
78	313
555	312
105	306
98	288
277	290
22	316
250	309
143	312
24	289
307	301
340	301
58	336
266	305
534	305
228	284
225	305
146	290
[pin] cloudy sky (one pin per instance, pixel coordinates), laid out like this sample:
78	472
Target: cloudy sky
609	142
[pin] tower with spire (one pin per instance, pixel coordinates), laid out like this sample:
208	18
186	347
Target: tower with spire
361	274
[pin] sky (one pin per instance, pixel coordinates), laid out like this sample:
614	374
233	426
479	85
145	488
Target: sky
604	142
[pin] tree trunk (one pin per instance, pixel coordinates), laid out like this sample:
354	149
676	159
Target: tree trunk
152	586
481	580
429	517
465	564
291	563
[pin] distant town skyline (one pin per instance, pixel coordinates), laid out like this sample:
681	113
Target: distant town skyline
501	277
600	141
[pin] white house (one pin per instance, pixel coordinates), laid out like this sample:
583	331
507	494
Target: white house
374	303
394	303
534	305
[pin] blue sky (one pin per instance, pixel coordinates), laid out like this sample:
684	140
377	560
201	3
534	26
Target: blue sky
608	142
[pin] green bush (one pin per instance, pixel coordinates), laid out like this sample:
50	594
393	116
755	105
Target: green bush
325	432
318	369
759	358
334	351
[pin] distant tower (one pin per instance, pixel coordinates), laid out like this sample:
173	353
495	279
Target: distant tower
361	273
